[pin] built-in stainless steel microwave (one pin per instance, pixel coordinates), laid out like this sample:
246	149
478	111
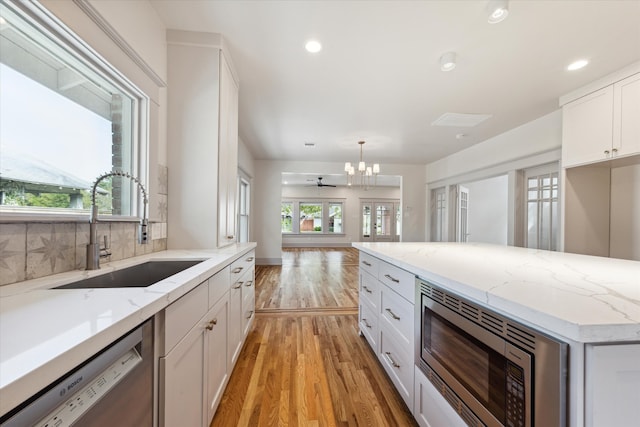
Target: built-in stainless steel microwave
492	370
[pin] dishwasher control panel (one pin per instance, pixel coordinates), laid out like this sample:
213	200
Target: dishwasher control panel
82	400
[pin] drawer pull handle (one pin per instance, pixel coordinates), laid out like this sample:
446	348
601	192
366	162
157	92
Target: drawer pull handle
239	285
366	263
250	315
212	324
393	362
366	323
250	259
249	283
392	314
393	279
237	270
230	237
367	289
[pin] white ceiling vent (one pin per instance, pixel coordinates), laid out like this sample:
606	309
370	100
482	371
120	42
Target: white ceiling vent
460	120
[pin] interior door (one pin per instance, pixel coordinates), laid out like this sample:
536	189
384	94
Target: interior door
463	214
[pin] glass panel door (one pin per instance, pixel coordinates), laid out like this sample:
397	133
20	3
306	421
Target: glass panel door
384	222
378	221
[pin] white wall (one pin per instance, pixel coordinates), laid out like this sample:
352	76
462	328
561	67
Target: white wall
624	237
488	210
268	192
535	143
351	215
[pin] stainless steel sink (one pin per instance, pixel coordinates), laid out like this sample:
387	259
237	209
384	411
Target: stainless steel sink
137	276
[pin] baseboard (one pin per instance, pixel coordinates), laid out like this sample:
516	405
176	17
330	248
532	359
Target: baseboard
268	261
316	245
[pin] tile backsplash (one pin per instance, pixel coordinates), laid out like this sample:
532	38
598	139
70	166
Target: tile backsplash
31	250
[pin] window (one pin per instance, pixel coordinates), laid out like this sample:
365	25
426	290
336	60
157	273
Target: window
286	217
335	217
312	217
542	209
243	209
67	117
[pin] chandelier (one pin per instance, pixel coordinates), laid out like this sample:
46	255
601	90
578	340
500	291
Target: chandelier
365	172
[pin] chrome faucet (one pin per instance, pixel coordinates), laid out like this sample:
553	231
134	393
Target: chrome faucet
94	251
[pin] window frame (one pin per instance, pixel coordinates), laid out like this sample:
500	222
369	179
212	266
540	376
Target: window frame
51	27
325	203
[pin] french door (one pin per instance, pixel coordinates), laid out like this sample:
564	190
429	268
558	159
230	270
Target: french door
378	221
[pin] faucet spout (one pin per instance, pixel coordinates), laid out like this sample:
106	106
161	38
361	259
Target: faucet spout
94	251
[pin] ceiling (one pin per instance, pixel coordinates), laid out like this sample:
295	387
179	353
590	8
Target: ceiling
378	77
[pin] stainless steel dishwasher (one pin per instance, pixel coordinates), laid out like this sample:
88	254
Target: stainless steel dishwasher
115	387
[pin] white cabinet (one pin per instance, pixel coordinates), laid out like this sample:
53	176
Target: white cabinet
202	152
612	385
217	370
386	318
602	125
430	408
227	155
242	303
199	343
626	114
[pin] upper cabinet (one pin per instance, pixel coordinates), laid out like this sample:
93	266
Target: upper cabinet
202	141
602	124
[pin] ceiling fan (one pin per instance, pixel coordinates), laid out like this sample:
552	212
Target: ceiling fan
319	183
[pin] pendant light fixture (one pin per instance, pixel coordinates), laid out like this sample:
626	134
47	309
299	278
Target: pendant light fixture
365	172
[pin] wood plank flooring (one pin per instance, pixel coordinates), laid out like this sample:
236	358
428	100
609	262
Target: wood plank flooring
304	363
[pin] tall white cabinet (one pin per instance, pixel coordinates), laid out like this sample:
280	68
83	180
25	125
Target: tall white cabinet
202	141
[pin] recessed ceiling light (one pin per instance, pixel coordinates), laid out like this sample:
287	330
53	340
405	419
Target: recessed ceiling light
313	46
581	63
498	11
448	61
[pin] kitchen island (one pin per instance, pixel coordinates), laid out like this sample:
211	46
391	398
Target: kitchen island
591	303
46	332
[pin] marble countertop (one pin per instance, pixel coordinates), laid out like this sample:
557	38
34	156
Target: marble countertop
46	332
586	299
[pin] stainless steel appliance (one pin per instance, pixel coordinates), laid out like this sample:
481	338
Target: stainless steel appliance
492	370
115	387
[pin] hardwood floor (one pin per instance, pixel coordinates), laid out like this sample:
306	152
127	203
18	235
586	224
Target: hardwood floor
304	362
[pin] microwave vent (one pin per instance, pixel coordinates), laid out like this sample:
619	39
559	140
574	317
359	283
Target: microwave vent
523	337
489	320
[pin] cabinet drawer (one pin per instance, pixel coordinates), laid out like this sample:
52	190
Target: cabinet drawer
368	319
398	314
184	313
218	284
370	290
240	266
397	360
399	280
369	263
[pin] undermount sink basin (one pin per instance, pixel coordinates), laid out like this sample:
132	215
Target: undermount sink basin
137	276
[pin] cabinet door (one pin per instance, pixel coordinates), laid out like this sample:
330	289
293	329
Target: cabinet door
182	382
235	322
248	305
227	155
587	128
626	130
216	355
430	408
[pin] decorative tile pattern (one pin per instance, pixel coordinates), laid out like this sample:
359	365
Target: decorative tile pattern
123	239
13	257
50	249
163	180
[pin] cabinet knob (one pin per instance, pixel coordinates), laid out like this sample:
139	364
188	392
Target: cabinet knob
615	150
249	283
211	324
606	152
